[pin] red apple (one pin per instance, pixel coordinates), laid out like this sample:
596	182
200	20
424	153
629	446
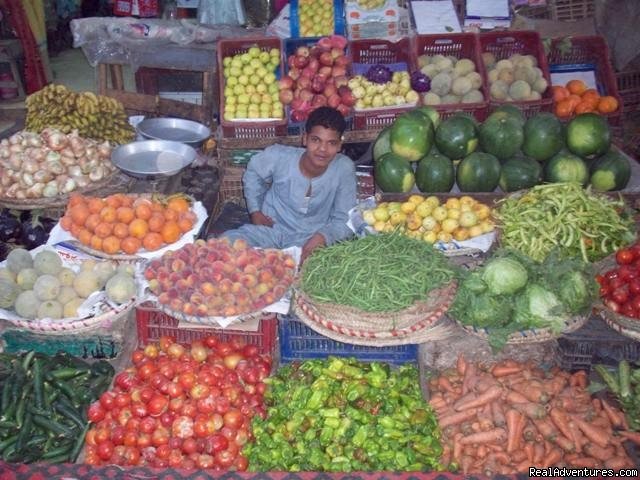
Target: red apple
286	83
346	96
302	51
291	61
316	50
326	58
294	73
314	64
299	115
329	90
325	70
338	71
318	101
306	95
325	43
296	104
334	100
338	41
308	72
317	84
340	80
286	96
300	61
343	109
341	61
336	52
304	82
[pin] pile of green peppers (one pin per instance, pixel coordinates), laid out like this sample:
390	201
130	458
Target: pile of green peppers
340	415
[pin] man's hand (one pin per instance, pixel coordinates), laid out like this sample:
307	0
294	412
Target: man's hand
259	218
317	240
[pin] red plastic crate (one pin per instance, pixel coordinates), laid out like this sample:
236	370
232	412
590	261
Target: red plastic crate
152	323
629	90
459	45
590	50
372	52
506	43
247	129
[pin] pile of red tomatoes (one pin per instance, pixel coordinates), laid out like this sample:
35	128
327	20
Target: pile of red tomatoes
620	286
182	407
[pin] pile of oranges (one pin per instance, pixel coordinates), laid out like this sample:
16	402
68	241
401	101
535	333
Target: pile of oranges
575	98
123	223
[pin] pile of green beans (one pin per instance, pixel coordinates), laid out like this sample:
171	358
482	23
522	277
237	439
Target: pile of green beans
566	217
377	273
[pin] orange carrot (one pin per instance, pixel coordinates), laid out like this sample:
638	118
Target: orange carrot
488	396
523	467
579	379
497	414
546	428
461	365
457	448
598	452
512	396
470	378
457	418
528	449
554	457
465	464
601	421
490	466
529	432
561	421
538	454
532	391
615	416
519	456
597	406
564	443
576	436
597	435
444	384
531	410
501	370
556	384
618	462
584	462
631	436
481	452
495	435
502	457
467	397
512	418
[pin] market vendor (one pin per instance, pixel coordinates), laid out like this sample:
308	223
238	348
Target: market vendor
300	196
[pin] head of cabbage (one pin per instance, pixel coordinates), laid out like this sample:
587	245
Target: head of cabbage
504	275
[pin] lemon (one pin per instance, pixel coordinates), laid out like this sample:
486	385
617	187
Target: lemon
475	231
466	208
397	218
388	228
433	201
379	226
487	226
417	199
413	234
381	214
369	217
383	205
449	225
430	237
429	223
439	213
453	213
452	203
445	237
408	207
424	209
468	219
467	200
461	234
482	211
394	207
414	222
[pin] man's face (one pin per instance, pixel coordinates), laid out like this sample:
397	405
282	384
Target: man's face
322	146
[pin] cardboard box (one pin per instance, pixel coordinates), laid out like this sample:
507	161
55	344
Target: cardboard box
388	13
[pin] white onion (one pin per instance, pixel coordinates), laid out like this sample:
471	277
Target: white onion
15	161
104	150
35	191
27	179
16	148
30	166
42	176
50	189
68	161
97	173
4	151
82	181
54	167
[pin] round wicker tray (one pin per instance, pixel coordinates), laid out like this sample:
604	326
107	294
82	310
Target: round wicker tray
211	321
65	326
532	335
55	202
629	327
353	323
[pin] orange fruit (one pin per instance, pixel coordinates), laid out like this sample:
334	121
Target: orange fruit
170	231
157	206
563	108
143	211
121	230
559	93
108	214
574	100
75	199
130	245
75	229
95	204
79	213
156	222
111	245
179	204
185	224
591	97
65	222
170	215
96	242
92	222
576	86
125	214
583	107
138	228
152	241
84	236
104	229
608	104
113	200
126	200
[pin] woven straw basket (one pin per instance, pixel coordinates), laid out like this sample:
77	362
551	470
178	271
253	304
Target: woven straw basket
351	325
531	335
67	326
210	321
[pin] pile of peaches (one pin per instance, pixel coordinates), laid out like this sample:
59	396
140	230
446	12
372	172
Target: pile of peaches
122	223
218	278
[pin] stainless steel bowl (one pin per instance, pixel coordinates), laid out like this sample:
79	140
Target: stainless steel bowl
174	129
153	158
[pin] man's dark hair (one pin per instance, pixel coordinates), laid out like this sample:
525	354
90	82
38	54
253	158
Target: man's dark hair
326	117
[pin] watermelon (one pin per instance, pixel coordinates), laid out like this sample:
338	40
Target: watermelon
566	167
611	171
519	172
382	144
457	137
588	134
393	173
478	172
543	136
432	113
501	136
511	111
411	135
435	173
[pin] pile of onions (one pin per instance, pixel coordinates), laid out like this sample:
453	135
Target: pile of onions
51	163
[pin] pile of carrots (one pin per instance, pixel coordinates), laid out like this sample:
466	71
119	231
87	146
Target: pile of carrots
511	416
576	97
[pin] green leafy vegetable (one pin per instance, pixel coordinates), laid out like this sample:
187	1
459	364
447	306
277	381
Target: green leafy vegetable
504	275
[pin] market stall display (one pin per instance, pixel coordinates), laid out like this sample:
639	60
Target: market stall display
98	117
623	381
27	229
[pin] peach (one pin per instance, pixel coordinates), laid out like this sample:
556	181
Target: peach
225	285
176	304
173	292
215	301
193	280
196	298
182	284
278	270
202	310
205	272
240	244
243	299
207	288
200	242
229	268
174	277
162	273
185	272
217	266
188	308
261	289
248	280
251	269
154	285
279	291
265	276
242	260
236	287
178	264
163	298
271	257
229	298
212	256
258	304
269	297
150	273
289	262
216	276
229	311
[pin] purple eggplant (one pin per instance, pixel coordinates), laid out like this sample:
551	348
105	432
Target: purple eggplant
10	227
33	233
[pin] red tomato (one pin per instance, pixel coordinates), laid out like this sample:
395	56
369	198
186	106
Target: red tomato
131	455
242	437
175	404
165	342
139	409
157	405
634	286
635	303
175	458
187	380
137	356
160	436
126	379
122	400
241	463
167	370
132	423
146	370
199	391
145	394
117	457
627	272
222	405
627	310
175	350
233	419
105	450
625	256
210	341
117	435
163	451
611	274
200	428
206	404
224	348
95	413
605	290
107	400
188	464
182	427
166	419
224	458
151	351
144	440
148	424
204	461
250	351
616	283
217	443
620	295
189	446
189	409
130	438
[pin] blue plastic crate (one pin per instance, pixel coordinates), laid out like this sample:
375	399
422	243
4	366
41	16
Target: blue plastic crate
299	342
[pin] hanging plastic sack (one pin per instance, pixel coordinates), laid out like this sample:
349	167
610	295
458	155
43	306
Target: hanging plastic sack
215	12
259	12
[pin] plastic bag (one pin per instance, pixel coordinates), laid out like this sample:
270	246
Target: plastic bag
259	12
213	12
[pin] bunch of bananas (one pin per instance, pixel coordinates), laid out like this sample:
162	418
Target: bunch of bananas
94	116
